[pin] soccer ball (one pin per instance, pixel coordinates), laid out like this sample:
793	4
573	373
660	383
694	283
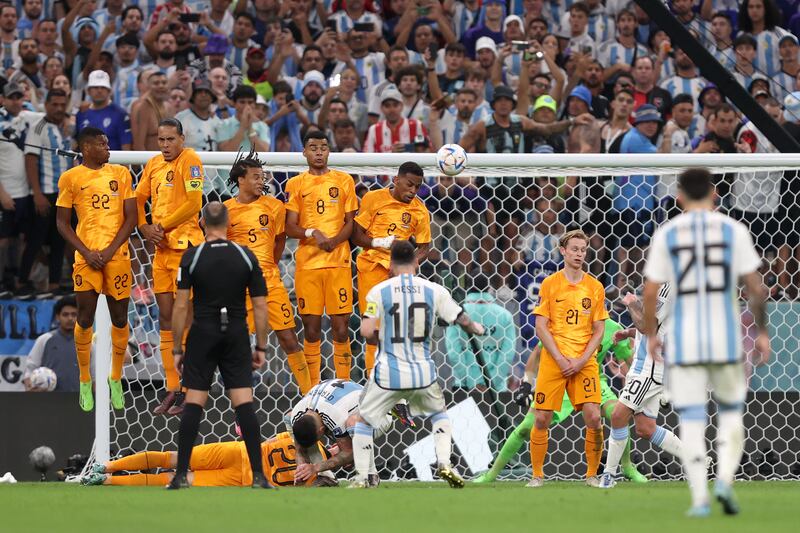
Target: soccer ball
44	378
451	159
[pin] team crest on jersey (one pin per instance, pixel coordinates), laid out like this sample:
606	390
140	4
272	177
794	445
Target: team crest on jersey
334	192
263	220
540	398
113	185
78	280
195	171
170	176
586	303
406	218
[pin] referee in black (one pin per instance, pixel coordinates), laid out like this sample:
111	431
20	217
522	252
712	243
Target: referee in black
220	273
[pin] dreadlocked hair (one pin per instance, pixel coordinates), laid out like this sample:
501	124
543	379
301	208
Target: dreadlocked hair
240	166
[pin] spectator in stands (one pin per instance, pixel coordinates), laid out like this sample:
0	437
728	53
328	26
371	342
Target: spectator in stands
396	60
355	11
222	18
356	110
617	55
285	116
102	113
783	81
214	57
15	205
476	80
243	131
241	39
200	124
577	29
56	349
589	75
746	52
124	88
635	200
344	136
332	110
255	75
618	124
448	125
29	71
489	24
47	38
31	16
685	14
163	51
676	138
410	87
219	85
161	12
722	33
8	37
43	169
544	112
452	79
148	111
310	102
177	100
645	89
497	348
760	19
77	37
395	133
686	79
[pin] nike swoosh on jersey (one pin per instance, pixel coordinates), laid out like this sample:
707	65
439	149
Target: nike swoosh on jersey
82	188
234	225
306	194
561	300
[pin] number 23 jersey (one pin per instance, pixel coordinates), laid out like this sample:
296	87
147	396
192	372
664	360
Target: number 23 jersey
98	197
571	309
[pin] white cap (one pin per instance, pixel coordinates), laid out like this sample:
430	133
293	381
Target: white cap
512	18
99	78
486	42
391	94
260	100
314	76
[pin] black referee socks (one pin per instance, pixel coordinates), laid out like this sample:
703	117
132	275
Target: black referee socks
251	433
187	433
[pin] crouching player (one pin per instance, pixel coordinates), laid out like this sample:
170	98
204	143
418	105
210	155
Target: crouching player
329	409
219	464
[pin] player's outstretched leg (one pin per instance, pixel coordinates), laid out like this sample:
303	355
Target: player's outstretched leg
363	448
443	442
510	448
729	451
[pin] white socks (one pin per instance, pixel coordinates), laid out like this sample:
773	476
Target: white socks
363	449
616	446
693	436
442	438
668	441
730	444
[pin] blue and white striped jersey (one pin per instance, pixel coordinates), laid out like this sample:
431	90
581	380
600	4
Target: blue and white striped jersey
676	85
613	52
452	128
334	400
407	307
51	166
768	61
643	363
702	255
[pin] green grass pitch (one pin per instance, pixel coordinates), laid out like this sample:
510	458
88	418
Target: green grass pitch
408	507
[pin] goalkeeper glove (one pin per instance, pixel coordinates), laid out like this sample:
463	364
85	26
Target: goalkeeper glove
524	394
383	242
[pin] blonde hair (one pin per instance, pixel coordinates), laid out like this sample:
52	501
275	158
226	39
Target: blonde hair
574	234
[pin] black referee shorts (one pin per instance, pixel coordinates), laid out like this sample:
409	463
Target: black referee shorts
207	349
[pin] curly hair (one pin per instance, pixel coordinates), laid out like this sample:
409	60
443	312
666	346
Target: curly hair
240	166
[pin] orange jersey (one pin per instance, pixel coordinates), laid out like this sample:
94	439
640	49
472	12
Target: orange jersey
381	215
98	197
322	202
166	183
571	308
256	225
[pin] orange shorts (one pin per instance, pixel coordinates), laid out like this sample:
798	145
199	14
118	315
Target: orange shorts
113	280
165	270
583	387
324	290
280	312
220	464
367	280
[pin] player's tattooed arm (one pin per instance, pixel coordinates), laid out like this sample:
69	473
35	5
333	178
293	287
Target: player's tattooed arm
635	309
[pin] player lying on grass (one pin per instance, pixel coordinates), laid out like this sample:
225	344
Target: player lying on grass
219	464
641	397
330	409
621	350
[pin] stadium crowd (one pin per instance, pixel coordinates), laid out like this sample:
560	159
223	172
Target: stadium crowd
408	76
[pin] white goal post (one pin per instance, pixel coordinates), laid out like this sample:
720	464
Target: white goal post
500	219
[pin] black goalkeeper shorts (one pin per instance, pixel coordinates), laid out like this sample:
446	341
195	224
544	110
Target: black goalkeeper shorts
207	348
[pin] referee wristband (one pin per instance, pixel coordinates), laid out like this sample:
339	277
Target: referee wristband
260	349
309	233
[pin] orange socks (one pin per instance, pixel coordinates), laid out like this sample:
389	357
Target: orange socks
83	347
539	441
297	363
313	360
141	461
141	479
119	344
168	360
594	450
369	358
342	359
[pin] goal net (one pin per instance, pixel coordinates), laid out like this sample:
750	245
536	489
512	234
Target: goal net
503	217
